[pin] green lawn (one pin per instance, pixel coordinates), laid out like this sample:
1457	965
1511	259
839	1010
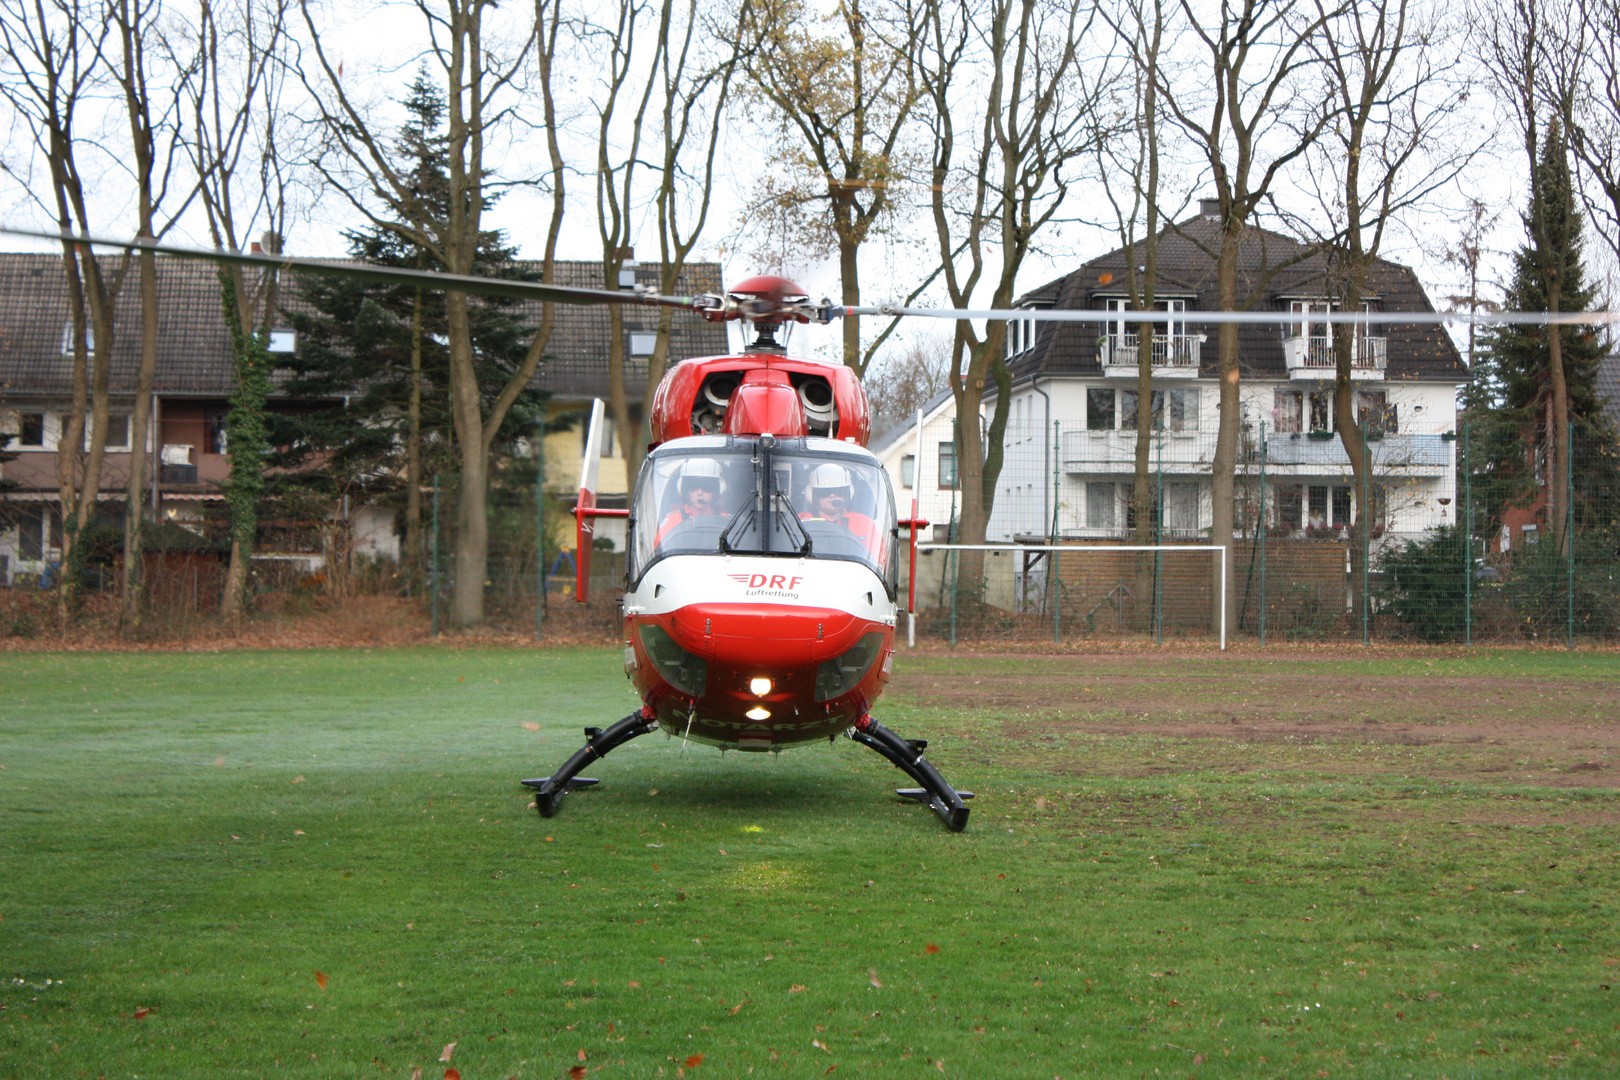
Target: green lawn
186	840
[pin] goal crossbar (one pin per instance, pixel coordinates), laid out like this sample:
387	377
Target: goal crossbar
1217	551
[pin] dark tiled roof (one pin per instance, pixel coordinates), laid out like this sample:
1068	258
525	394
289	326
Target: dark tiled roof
194	347
1185	269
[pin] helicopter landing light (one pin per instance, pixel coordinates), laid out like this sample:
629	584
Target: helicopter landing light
759	687
758	713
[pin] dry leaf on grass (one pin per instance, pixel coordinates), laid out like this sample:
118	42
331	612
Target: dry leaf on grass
577	1073
694	1061
449	1048
452	1073
582	1053
530	725
321	980
818	1044
796	989
140	1014
930	948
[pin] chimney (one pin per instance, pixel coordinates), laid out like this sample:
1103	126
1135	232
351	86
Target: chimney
1209	209
256	248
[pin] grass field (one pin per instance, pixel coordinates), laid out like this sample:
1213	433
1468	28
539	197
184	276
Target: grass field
1289	864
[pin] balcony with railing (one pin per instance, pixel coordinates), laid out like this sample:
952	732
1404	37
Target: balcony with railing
1175	356
1312	357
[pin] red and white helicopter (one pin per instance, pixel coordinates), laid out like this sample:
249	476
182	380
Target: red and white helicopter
763	565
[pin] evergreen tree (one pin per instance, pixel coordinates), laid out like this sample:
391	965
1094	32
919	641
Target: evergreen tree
382	348
1509	401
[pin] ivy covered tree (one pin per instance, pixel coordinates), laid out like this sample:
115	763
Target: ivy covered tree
381	350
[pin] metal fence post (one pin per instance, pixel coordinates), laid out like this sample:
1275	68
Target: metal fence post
1262	538
1366	526
1158	556
1569	527
540	527
433	568
1468	541
1052	558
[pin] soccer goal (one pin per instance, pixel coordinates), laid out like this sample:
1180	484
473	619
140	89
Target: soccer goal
1092	575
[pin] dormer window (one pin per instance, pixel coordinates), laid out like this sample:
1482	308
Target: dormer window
1021	333
67	338
282	341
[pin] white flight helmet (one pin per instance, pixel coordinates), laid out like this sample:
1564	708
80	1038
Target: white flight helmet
831	477
706	470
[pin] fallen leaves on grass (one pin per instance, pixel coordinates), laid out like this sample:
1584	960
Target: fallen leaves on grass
577	1073
449	1048
819	1045
298	779
871	974
634	985
140	1014
737	1008
694	1061
930	948
530	725
796	988
452	1073
321	980
581	1054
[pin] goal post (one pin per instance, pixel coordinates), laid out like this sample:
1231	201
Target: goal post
1218	553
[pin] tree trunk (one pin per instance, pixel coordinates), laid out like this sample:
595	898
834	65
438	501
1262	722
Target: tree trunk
1223	469
413	457
130	587
472	519
1557	483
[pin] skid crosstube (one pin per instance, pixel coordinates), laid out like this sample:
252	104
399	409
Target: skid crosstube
548	792
906	755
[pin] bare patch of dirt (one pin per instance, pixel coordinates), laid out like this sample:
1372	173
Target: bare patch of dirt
1550	732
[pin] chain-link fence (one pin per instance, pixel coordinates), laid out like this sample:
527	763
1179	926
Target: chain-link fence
1446	534
1488	530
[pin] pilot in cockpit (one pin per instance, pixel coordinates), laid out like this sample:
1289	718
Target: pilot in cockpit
831	493
700	486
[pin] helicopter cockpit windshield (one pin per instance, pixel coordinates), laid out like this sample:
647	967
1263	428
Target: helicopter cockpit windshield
810	497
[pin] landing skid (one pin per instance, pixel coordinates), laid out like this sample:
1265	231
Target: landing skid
548	793
906	755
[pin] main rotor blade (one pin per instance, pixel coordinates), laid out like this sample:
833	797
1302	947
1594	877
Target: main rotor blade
1273	318
381	275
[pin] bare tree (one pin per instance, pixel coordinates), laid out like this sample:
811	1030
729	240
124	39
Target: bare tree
1390	147
1595	121
54	52
1138	152
906	378
482	73
844	101
641	162
151	104
1013	71
1250	109
233	84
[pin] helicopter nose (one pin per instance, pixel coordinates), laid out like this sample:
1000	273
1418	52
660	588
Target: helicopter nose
731	635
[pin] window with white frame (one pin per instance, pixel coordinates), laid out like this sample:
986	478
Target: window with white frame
1296	411
1101	498
1181	508
30	431
117	432
908	471
1122	325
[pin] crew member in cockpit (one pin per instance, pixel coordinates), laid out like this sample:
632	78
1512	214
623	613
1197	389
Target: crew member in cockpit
700	485
831	493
